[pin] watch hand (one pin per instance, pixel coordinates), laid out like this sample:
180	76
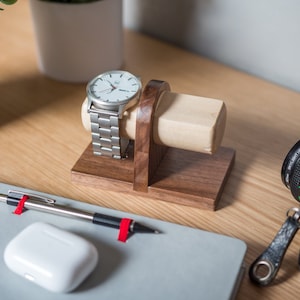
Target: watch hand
114	87
103	91
108	90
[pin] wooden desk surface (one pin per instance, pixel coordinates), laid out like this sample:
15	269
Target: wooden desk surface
41	137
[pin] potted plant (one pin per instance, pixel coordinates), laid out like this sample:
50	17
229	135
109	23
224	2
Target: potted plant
7	2
77	39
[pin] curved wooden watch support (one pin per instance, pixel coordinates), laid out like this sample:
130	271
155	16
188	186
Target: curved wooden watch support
147	154
168	174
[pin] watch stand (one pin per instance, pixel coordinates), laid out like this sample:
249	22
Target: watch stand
159	172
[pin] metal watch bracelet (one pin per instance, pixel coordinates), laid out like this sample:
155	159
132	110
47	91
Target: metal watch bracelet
106	138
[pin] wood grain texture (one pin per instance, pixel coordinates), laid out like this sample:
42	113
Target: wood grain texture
41	138
180	121
147	154
182	177
178	176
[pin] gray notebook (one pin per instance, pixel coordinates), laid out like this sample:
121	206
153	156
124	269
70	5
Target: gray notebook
179	263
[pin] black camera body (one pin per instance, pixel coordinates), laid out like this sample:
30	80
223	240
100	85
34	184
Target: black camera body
290	171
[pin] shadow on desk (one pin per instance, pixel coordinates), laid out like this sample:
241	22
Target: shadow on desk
110	259
24	95
261	148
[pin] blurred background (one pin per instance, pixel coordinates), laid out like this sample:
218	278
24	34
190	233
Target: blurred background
260	37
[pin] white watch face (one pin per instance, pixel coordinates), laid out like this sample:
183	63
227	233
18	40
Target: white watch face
114	87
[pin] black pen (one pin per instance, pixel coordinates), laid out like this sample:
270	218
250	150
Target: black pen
47	205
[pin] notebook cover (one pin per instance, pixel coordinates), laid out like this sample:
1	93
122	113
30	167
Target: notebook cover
179	263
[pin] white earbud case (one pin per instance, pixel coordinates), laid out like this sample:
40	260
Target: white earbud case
51	257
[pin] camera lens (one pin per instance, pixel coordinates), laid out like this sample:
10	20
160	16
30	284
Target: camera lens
290	172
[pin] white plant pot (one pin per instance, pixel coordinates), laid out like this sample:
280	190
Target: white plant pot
76	42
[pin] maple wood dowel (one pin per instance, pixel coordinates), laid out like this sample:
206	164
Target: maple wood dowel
181	121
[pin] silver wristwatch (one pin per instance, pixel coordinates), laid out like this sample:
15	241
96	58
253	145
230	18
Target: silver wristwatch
109	96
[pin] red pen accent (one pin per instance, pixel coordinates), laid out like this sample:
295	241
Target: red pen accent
21	204
124	229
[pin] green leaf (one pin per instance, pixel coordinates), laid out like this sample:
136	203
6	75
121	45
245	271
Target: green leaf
8	2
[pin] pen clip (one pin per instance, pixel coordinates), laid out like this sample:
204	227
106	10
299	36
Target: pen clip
34	197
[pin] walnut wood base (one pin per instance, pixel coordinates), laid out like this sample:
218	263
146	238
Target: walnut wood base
168	174
183	177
